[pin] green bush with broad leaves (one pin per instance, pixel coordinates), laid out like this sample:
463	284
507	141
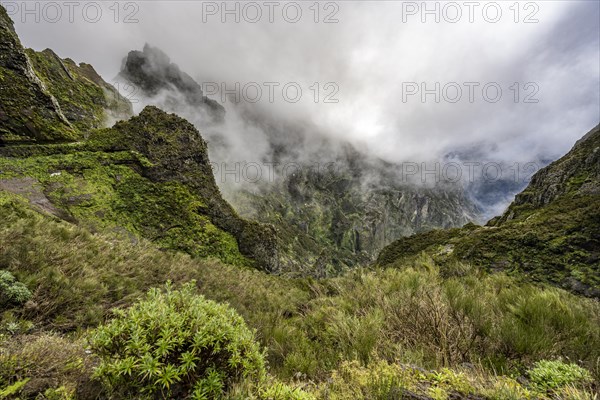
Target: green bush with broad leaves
176	344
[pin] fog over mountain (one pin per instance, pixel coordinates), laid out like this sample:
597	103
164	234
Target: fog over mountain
355	200
376	54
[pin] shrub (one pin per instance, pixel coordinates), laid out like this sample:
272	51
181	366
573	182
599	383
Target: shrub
12	292
551	375
269	389
381	380
176	344
12	325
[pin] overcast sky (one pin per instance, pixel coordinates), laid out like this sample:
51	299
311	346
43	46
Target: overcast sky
378	54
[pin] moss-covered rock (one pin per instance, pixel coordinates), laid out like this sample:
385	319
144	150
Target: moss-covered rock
577	173
177	153
150	177
28	112
86	100
44	99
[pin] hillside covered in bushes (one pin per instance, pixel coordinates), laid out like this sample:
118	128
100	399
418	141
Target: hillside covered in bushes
124	274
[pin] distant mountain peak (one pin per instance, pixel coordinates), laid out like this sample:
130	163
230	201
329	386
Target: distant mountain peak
152	72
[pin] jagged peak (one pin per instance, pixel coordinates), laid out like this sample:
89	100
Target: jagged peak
152	72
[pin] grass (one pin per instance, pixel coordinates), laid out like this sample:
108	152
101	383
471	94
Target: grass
557	244
421	315
465	313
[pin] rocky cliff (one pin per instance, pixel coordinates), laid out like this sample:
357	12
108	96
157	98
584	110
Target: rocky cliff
44	98
330	219
148	176
335	216
28	112
575	174
549	233
152	73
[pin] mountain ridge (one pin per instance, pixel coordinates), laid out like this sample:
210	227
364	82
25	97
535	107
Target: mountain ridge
329	218
124	273
549	233
148	176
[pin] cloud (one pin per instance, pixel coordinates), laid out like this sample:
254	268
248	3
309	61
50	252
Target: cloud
375	50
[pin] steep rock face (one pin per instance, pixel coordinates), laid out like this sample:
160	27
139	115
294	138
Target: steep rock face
152	73
329	220
28	112
177	152
577	173
550	233
46	99
86	100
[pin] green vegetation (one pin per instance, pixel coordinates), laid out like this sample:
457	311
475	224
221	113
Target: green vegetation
176	344
329	220
45	365
418	318
12	292
46	99
155	184
85	99
549	233
124	274
557	243
552	375
101	191
382	380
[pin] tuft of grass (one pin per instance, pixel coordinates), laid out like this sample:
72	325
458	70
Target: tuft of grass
45	362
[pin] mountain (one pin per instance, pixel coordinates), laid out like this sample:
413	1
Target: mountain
334	207
549	233
151	176
340	217
152	72
148	176
22	93
575	175
46	99
124	273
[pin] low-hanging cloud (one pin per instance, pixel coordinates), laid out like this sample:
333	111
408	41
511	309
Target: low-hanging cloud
377	54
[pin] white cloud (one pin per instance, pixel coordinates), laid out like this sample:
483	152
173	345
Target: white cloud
369	54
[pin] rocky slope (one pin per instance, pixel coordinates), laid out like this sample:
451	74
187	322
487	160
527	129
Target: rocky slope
336	218
148	176
46	99
28	112
337	209
549	233
575	174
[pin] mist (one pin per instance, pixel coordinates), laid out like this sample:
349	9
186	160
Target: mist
384	77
